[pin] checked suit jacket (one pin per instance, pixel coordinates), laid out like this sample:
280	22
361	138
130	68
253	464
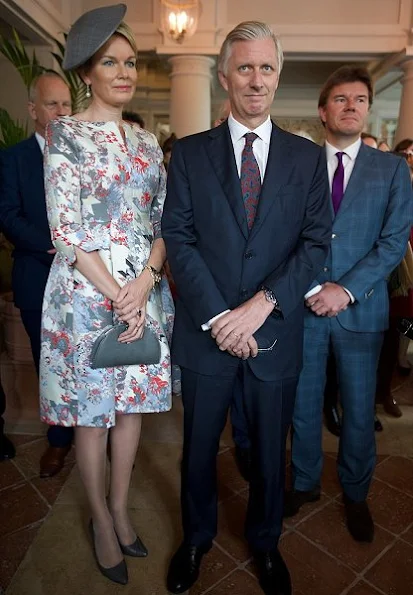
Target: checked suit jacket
369	238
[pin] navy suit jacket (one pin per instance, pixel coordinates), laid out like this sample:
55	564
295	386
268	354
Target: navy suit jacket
217	264
370	234
23	220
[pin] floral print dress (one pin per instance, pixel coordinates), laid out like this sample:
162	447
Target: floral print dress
105	193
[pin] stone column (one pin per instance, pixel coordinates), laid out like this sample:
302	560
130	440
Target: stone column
190	103
405	123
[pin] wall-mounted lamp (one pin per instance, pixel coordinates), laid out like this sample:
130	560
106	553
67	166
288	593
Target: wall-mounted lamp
179	19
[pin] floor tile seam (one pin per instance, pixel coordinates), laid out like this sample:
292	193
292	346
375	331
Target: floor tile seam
356	582
49	506
318	509
350	586
373	586
14	485
406	530
27	476
221	580
329	554
29	526
389	485
37	438
381	462
377	558
224	551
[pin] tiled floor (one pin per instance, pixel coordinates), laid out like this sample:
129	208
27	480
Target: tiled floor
322	557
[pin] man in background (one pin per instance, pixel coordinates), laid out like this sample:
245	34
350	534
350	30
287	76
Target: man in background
348	306
23	220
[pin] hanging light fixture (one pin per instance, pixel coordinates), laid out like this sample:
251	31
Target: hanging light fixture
180	18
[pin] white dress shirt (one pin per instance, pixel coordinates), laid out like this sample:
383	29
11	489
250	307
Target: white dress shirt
349	159
40	139
260	148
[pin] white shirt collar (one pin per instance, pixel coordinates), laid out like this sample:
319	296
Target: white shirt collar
351	151
40	139
237	130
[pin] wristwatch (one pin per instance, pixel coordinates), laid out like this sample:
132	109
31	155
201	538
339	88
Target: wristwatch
270	297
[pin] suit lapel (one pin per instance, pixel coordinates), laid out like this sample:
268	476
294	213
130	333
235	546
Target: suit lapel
277	174
221	154
360	173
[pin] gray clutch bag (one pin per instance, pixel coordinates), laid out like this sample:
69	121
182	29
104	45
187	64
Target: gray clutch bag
107	352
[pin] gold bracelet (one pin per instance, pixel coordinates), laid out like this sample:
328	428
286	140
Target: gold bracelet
156	277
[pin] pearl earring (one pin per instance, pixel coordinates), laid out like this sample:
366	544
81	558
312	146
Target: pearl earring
88	93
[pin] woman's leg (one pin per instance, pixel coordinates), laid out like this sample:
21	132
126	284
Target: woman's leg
124	440
91	461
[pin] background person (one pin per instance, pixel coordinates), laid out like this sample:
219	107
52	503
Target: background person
23	220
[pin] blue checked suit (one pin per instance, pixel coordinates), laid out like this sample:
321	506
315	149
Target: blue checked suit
369	237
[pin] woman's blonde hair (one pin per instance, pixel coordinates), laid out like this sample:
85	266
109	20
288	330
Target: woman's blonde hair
124	31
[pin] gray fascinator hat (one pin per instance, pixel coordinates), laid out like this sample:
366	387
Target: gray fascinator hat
90	32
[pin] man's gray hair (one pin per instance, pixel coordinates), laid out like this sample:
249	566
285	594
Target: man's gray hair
33	86
248	31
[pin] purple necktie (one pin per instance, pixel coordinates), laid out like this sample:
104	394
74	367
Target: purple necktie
337	189
250	179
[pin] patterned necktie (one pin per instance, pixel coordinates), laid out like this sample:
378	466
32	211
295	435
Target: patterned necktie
250	179
337	189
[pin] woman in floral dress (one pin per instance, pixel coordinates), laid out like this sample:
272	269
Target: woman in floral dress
105	187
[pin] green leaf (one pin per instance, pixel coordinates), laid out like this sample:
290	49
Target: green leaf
12	131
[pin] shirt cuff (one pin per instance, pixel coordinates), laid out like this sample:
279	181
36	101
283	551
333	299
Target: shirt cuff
207	325
350	295
313	291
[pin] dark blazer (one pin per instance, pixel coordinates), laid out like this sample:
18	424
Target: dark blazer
218	264
370	234
23	220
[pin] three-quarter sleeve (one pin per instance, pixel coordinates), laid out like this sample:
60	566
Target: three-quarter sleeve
158	199
63	194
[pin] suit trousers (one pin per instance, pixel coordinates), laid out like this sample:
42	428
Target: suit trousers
268	408
356	355
239	420
58	436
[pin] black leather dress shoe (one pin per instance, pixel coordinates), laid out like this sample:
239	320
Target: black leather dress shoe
359	521
332	420
243	460
7	450
184	568
273	573
378	426
294	500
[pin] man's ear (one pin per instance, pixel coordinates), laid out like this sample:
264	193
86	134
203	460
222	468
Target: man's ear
32	110
223	80
322	114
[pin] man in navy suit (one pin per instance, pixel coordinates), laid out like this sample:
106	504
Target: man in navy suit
347	305
247	226
23	220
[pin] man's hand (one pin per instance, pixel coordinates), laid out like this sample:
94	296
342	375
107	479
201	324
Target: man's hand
52	251
329	301
249	350
233	331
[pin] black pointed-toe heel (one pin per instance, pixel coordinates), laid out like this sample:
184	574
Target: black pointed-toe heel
117	574
137	549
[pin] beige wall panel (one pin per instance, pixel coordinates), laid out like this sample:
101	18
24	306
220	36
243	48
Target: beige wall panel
349	12
138	11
